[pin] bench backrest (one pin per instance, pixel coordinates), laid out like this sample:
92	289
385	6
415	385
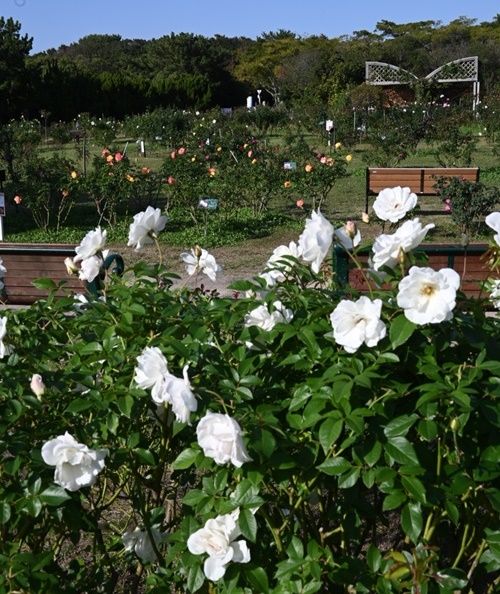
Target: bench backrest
470	262
421	180
27	262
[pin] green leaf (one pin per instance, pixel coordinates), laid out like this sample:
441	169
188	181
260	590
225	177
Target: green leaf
348	480
373	456
401	450
45	284
393	500
329	432
334	466
195	578
54	495
295	549
79	405
451	579
185	459
4	512
193	497
248	524
401	330
258	579
125	404
400	425
411	520
414	487
373	558
145	456
90	347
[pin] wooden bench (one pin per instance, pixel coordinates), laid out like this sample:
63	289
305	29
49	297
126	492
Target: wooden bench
420	180
471	263
27	262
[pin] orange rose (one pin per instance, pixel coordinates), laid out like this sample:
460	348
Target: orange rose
109	158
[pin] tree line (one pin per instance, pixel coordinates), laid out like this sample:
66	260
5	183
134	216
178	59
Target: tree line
116	77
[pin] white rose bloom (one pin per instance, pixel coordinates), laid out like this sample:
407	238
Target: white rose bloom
151	370
146	225
316	240
218	540
392	204
277	266
199	260
493	221
4	350
263	318
358	322
495	293
139	542
387	247
92	243
349	236
219	436
428	296
90	268
76	465
177	392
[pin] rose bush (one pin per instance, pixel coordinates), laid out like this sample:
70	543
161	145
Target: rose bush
325	452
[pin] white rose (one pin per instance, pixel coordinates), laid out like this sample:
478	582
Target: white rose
90	268
263	318
357	322
140	542
392	204
145	227
387	247
493	221
177	392
218	540
76	465
219	436
151	370
4	350
199	260
495	293
428	296
316	240
92	243
278	264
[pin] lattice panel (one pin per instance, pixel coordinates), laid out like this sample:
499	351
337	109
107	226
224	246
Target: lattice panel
463	70
380	73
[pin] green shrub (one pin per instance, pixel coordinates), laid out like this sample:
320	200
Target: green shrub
368	469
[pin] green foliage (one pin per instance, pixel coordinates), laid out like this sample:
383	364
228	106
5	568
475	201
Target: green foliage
469	201
375	470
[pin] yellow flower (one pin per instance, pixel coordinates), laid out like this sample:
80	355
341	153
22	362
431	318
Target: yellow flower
308	168
348	158
254	161
288	184
130	178
219	148
74	175
109	158
338	145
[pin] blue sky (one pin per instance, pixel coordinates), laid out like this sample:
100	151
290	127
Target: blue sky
55	22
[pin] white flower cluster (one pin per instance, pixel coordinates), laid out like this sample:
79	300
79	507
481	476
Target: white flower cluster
152	373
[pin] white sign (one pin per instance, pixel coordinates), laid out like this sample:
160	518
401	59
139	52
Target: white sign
329	125
249	102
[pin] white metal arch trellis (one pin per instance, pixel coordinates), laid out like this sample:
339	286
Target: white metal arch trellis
461	70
